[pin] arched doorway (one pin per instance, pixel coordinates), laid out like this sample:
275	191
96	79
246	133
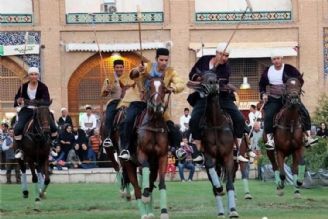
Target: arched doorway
11	76
86	82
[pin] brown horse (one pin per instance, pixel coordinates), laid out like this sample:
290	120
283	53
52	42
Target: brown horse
218	142
152	150
36	145
111	143
288	138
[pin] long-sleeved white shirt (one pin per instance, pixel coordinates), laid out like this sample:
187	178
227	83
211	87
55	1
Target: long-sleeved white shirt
88	122
184	120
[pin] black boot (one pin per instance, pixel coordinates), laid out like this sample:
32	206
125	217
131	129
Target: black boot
8	178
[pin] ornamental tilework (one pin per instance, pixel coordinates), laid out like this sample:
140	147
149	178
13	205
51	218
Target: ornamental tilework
103	18
231	17
16	18
325	50
17	38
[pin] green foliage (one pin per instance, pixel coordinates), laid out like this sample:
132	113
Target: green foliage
321	112
316	157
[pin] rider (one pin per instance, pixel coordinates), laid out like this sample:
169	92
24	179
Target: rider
272	87
141	75
219	64
31	90
114	88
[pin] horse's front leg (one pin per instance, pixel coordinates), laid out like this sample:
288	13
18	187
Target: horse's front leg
22	166
229	163
214	178
46	179
280	175
162	187
298	170
145	171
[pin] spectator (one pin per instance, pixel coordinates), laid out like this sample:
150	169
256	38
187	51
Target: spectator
88	120
254	115
66	139
73	158
64	119
171	169
184	122
80	140
3	134
256	136
186	162
7	147
95	140
58	162
323	130
88	158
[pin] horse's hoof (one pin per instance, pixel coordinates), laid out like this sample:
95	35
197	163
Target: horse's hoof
164	216
151	216
297	195
221	215
145	199
25	194
128	198
43	195
248	196
298	183
280	192
233	214
144	217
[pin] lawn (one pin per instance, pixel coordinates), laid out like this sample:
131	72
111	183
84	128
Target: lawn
186	200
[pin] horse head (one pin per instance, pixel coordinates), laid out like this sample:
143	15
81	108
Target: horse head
43	115
156	94
293	90
209	84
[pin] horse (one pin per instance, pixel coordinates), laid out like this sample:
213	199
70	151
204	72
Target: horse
111	144
218	142
151	151
288	138
36	143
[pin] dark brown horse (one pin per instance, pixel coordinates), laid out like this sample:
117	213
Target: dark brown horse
36	145
218	142
111	143
152	150
288	138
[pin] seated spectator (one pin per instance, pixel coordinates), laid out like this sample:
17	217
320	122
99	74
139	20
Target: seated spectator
58	162
88	121
186	161
323	130
88	158
66	140
255	138
73	158
64	120
80	137
7	147
184	123
171	169
95	140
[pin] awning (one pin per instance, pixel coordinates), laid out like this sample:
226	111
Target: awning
248	50
114	47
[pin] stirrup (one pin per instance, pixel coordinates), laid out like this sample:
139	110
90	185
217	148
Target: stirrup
199	158
251	154
310	141
125	155
107	143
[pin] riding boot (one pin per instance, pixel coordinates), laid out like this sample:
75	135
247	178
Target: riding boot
309	141
125	153
239	156
200	156
270	142
18	176
18	151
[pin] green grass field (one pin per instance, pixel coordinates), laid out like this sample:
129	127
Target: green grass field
185	200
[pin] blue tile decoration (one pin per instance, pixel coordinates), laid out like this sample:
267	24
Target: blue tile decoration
232	17
325	51
17	38
105	18
16	18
